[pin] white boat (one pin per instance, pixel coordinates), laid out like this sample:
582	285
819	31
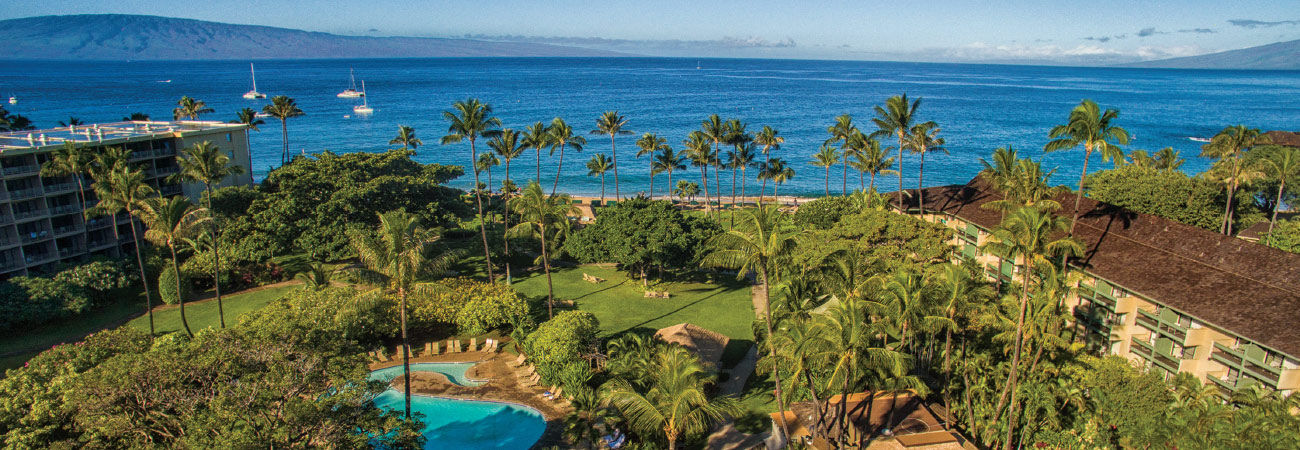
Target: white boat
13	100
261	115
1198	139
351	91
364	108
253	94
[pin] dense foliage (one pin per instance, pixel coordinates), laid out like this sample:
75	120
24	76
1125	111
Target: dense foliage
561	341
472	306
1166	193
1285	236
311	204
641	234
28	300
824	212
167	286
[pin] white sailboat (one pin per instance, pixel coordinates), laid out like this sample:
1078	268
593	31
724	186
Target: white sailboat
351	91
253	94
13	100
364	108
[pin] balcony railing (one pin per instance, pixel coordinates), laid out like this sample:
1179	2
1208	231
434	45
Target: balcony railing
67	229
61	187
1263	372
24	215
36	236
64	209
70	251
38	257
19	170
25	193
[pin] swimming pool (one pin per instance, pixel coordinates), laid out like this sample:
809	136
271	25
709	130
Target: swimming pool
469	424
455	372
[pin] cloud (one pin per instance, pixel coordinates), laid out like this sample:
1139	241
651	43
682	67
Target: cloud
1085	54
651	45
1097	38
1149	31
1251	23
1198	30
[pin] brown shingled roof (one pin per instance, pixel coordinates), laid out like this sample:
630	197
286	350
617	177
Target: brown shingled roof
706	343
1287	138
1242	287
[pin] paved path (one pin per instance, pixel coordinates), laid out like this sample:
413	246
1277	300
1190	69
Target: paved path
740	374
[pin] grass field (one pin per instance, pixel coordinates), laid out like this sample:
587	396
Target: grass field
620	304
204	315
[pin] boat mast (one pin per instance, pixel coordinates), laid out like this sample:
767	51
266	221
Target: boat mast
254	73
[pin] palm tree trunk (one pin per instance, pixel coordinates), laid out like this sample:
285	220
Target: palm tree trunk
602	189
873	181
505	223
539	165
771	347
546	265
81	194
1015	357
900	171
743	177
670	186
947	372
845	187
482	221
180	296
862	183
216	260
1277	204
144	278
558	167
1087	155
920	184
284	137
828	181
406	355
704	178
762	191
1227	215
652	186
613	150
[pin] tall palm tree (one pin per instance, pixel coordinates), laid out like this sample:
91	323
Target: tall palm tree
1092	128
188	108
247	117
1229	146
701	155
169	222
205	163
508	147
769	139
762	244
686	190
539	213
959	292
1027	185
406	137
826	157
1027	235
71	160
597	166
283	108
612	124
780	172
715	130
922	139
537	137
485	163
398	255
673	399
1002	170
561	136
651	144
470	120
666	161
121	188
842	132
871	158
896	119
741	159
1284	165
739	139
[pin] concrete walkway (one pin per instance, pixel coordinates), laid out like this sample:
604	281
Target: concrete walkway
740	374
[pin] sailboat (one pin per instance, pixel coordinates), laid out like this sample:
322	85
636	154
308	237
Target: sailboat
13	100
253	94
364	108
351	91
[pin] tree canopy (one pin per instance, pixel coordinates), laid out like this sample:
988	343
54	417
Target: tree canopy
639	234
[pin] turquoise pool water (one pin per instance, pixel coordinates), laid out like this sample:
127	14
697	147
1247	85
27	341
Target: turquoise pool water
454	372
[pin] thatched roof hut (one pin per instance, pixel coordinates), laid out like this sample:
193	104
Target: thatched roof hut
709	345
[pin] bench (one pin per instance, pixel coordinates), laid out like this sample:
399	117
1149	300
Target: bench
657	294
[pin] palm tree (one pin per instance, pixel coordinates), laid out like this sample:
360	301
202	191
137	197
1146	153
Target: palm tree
1229	146
960	290
470	120
666	161
701	155
538	213
136	117
779	173
686	190
537	137
205	163
397	255
1285	165
842	131
71	160
739	139
123	189
768	138
406	137
871	158
72	121
283	108
247	117
1027	235
1027	185
561	135
714	130
741	159
486	162
650	144
508	147
188	108
923	139
169	222
598	165
612	124
895	119
762	244
672	400
826	157
1002	170
318	276
1092	128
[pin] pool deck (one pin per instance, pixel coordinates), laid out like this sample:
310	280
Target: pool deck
502	385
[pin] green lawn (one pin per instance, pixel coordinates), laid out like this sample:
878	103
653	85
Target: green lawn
620	304
204	315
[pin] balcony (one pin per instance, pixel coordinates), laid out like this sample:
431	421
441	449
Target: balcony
68	229
64	209
19	170
70	251
35	236
38	257
96	244
1225	355
26	193
60	188
1146	321
28	214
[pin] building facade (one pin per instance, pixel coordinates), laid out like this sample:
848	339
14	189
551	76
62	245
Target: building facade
42	223
1165	295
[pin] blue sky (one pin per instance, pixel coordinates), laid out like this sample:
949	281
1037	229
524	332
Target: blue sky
936	30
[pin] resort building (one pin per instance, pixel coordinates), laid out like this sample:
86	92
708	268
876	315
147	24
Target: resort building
41	219
1163	294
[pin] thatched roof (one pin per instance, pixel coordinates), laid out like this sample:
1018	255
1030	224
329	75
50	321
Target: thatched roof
708	344
902	414
1239	286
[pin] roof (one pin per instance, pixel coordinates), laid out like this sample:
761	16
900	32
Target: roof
1239	286
904	414
105	133
1287	138
708	344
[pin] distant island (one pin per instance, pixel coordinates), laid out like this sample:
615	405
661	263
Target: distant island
139	37
1275	56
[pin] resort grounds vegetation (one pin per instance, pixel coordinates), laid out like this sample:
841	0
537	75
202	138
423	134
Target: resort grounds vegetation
28	301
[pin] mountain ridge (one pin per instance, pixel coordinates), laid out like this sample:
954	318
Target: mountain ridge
143	37
1276	56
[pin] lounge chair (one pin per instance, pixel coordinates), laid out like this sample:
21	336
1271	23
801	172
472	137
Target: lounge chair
550	393
433	348
453	346
473	345
493	346
383	355
518	362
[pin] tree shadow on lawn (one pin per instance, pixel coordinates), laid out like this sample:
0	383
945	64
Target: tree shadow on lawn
669	313
597	291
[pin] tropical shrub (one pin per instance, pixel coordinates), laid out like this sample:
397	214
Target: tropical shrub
824	212
1166	193
560	341
473	307
1285	236
72	291
639	234
167	286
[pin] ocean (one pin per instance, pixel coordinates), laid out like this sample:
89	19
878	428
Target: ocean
978	107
